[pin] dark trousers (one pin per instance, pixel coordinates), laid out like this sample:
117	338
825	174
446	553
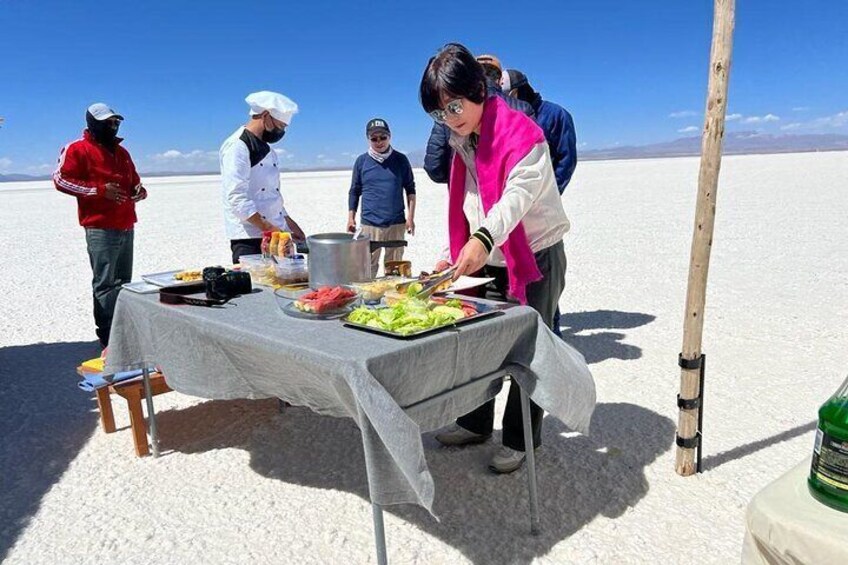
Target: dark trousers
543	297
245	247
556	327
110	253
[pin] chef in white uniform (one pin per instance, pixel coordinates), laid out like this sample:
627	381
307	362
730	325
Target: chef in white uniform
250	175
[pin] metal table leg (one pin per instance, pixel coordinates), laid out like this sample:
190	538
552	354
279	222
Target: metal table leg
531	461
379	529
151	414
379	534
376	509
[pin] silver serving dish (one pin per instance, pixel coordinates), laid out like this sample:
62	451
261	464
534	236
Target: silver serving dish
167	279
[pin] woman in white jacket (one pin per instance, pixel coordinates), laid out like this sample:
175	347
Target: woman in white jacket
505	215
250	175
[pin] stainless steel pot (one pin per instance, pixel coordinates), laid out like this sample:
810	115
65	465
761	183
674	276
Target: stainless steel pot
337	258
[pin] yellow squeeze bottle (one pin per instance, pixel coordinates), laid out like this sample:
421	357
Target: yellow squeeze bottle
275	242
284	245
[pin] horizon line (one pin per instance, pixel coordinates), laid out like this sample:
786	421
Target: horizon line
593	158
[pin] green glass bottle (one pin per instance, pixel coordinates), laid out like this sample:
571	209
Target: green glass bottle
828	480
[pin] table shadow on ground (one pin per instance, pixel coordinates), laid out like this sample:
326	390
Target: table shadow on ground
484	516
602	345
46	420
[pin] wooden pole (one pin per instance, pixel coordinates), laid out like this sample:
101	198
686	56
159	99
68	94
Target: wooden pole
699	262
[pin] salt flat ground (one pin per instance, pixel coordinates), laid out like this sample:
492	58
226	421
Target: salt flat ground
241	483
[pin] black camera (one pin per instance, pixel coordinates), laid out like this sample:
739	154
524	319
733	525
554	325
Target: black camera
224	285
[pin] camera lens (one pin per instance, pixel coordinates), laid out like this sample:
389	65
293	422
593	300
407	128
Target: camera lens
212	273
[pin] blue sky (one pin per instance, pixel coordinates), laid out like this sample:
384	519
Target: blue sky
630	72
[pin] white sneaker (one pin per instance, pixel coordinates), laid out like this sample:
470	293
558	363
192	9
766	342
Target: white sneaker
457	435
506	460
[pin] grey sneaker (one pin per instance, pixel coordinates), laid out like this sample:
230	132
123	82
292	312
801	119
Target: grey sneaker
506	460
457	435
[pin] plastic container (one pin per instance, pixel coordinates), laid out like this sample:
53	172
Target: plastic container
291	270
373	291
261	269
828	480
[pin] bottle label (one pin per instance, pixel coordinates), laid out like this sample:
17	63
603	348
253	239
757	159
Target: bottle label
830	461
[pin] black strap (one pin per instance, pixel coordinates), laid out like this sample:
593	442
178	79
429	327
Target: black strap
689	443
688	403
181	295
689	363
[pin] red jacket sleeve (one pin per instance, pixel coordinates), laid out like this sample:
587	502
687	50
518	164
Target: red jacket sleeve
71	175
139	192
136	180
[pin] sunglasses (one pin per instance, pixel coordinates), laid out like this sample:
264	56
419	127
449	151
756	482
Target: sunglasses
452	109
376	138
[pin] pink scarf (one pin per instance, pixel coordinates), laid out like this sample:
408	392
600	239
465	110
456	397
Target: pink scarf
506	137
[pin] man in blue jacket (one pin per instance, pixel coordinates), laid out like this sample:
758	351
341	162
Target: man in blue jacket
379	179
554	120
558	126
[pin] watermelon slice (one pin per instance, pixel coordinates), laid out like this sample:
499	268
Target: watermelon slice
325	299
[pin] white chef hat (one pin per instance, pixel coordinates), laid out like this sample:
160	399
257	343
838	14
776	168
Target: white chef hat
280	107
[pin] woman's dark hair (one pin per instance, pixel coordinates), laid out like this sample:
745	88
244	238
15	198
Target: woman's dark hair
454	71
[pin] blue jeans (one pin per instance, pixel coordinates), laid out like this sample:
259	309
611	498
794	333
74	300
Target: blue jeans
111	255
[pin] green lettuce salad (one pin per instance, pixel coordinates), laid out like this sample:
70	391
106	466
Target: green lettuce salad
409	316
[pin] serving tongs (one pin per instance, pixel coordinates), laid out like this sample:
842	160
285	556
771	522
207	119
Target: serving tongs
422	279
433	284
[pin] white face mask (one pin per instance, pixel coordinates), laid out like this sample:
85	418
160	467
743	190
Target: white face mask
380	157
505	82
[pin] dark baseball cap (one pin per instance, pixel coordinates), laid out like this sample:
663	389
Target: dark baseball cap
377	124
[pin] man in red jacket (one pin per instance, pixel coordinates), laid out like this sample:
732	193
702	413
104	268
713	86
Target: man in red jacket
102	177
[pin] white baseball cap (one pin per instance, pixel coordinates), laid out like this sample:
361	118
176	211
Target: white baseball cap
101	112
280	107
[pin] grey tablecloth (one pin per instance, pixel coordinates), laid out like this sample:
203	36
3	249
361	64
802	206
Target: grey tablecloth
251	349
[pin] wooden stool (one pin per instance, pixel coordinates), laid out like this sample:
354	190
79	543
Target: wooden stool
133	393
